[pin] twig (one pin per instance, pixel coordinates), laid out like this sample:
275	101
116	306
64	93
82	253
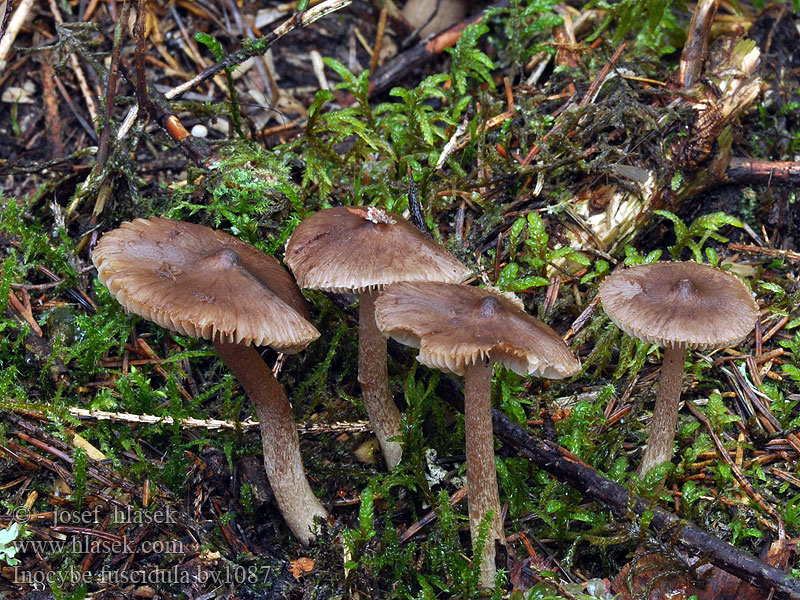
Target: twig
696	46
210	424
749	170
775	328
98	170
773	252
111	86
376	50
582	319
737	472
431	516
24	312
566	467
594	87
14	25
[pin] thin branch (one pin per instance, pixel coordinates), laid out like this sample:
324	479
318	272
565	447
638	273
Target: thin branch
16	22
696	47
262	44
749	170
210	424
568	468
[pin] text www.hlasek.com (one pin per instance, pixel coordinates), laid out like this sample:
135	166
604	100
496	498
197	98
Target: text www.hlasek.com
97	545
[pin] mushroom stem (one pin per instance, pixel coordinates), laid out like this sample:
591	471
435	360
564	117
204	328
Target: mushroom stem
481	472
281	444
373	376
665	413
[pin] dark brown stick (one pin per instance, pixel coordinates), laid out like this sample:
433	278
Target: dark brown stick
696	46
568	468
748	170
141	88
161	112
111	88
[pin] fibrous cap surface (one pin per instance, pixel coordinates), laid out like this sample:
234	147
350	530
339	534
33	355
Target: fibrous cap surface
356	248
204	283
673	303
457	325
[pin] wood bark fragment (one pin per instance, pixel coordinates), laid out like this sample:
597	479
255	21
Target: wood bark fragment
750	170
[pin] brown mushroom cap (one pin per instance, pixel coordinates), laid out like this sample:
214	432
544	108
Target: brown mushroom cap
672	303
458	325
355	249
204	283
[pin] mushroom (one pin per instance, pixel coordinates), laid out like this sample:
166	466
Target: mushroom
464	330
676	305
361	250
208	284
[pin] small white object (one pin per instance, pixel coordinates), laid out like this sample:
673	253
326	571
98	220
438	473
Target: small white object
199	131
243	67
435	473
221	125
15	94
319	69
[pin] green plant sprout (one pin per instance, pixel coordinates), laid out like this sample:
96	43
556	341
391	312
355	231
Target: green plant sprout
8	536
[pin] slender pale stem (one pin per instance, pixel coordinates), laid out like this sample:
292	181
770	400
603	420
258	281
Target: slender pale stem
373	376
665	413
484	495
279	439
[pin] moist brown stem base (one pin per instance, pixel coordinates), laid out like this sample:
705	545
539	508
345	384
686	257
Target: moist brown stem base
484	495
282	461
665	413
373	376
